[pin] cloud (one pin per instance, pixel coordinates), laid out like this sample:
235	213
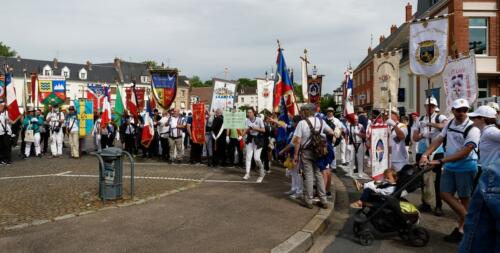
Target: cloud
203	37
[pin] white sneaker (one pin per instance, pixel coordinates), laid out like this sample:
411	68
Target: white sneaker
259	180
246	177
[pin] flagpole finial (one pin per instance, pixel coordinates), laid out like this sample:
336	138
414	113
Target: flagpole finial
305	50
279	44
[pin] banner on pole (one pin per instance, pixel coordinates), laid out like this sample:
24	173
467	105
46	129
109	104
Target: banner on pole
164	86
314	89
379	150
265	94
460	80
428	46
386	79
96	93
198	125
224	94
234	120
85	114
140	96
52	90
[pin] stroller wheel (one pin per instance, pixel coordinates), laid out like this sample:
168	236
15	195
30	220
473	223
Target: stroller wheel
356	228
419	237
366	238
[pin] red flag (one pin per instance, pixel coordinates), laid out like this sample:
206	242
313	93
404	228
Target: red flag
34	79
12	107
132	105
106	111
198	125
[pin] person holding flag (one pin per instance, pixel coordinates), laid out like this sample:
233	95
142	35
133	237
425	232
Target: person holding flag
73	132
55	119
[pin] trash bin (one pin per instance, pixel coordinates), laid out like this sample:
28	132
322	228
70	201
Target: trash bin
111	173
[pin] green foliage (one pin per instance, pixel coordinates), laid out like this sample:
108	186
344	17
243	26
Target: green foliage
151	64
327	101
195	81
245	82
6	50
297	90
208	83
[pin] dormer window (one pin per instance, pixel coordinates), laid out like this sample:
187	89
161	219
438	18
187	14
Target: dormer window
47	70
144	79
65	72
83	74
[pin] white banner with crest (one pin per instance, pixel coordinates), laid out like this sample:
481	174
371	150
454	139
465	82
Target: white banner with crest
460	80
386	79
224	95
265	94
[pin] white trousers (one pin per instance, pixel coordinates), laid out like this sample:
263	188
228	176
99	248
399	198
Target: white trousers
297	182
27	149
356	157
340	152
56	139
252	150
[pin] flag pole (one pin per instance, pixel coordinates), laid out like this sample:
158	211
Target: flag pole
304	77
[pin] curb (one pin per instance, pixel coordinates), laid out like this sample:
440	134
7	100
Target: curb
303	239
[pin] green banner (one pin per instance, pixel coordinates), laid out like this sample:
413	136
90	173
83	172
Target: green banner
234	120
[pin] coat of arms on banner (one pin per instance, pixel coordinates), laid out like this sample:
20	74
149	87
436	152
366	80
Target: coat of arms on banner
265	94
224	94
428	46
460	80
386	79
379	150
164	86
52	90
314	89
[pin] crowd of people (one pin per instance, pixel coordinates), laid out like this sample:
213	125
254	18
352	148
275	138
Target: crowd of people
461	150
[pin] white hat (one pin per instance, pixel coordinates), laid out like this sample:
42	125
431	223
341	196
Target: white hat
494	106
460	103
395	110
484	111
433	101
437	109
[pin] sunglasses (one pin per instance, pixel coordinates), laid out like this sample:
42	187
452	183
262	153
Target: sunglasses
462	110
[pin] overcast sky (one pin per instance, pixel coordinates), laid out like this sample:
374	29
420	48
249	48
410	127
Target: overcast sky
205	36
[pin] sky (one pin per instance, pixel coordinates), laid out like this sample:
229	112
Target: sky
206	36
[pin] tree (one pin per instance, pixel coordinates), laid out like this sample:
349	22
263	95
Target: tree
208	83
6	50
245	82
297	90
195	81
151	64
327	101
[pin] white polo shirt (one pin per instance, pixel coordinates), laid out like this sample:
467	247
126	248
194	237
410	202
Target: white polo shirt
304	132
256	123
489	147
399	153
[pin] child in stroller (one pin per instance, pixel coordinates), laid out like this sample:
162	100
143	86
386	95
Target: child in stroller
392	213
372	189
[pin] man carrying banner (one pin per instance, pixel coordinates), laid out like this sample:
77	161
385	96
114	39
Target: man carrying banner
423	136
73	131
55	119
5	135
398	133
234	136
356	147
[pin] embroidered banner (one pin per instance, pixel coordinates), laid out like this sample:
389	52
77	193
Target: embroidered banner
386	79
51	90
139	92
379	150
164	86
265	95
198	125
460	80
314	89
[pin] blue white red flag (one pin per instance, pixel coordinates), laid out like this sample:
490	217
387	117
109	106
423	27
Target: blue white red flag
106	110
148	129
96	93
348	102
283	86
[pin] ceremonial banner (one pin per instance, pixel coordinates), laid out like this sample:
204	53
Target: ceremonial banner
148	129
283	87
139	93
198	124
119	107
428	46
264	94
95	93
304	77
52	90
164	86
348	102
314	89
379	150
85	114
234	120
386	79
11	99
224	94
460	80
2	87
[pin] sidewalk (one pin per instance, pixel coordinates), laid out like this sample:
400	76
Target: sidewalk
219	215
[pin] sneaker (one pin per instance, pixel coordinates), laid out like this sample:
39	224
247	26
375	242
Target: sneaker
438	212
246	177
323	205
424	208
3	163
454	237
268	171
259	179
296	195
290	192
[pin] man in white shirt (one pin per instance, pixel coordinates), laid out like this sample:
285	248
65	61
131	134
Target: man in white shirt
55	119
73	128
164	130
176	124
301	140
356	149
5	135
460	139
399	131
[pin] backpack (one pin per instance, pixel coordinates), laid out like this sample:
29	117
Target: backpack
464	134
317	142
436	119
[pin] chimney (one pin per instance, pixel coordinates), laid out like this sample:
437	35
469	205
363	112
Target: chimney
117	63
55	63
408	12
89	65
394	28
369	50
18	57
382	38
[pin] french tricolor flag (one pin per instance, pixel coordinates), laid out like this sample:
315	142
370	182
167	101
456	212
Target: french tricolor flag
12	106
349	105
148	131
106	110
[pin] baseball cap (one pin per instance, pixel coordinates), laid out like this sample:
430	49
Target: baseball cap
395	110
437	109
494	106
484	111
432	101
330	109
460	103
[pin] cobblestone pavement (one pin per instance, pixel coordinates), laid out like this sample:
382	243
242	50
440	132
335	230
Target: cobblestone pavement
38	189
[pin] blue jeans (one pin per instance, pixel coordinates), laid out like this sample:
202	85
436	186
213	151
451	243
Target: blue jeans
482	223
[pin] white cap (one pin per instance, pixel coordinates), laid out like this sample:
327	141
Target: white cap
484	111
437	109
395	110
460	103
432	102
494	106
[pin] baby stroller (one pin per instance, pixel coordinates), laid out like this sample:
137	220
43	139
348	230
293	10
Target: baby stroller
392	213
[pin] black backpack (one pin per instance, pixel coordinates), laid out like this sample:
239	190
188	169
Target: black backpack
464	133
317	142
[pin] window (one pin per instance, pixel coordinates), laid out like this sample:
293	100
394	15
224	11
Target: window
483	89
183	92
47	71
478	35
242	99
65	72
144	79
83	74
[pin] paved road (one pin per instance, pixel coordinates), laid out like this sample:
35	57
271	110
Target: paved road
222	214
339	236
